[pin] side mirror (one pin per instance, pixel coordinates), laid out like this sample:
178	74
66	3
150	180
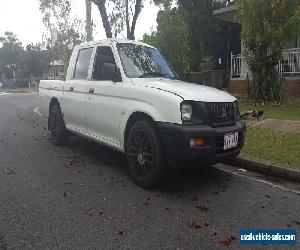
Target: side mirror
111	72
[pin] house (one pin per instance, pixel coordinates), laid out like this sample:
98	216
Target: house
56	70
288	67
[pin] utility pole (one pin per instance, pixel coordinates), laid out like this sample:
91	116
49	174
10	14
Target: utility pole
89	30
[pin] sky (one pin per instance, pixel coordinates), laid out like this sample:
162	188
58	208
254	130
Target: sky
24	19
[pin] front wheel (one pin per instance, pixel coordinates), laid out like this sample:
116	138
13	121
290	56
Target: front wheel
57	126
145	155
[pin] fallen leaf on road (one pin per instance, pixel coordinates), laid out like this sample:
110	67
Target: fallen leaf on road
195	225
101	212
268	196
227	241
203	208
120	232
288	225
146	204
206	224
9	171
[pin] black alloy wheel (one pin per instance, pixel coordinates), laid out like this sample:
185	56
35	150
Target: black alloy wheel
145	155
57	126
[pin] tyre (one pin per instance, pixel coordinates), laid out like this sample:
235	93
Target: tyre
145	155
57	126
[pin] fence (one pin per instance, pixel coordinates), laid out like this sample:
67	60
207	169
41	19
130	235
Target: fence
288	66
212	78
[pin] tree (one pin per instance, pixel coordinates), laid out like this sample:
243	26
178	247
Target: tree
267	25
124	13
11	55
70	31
172	29
206	39
34	60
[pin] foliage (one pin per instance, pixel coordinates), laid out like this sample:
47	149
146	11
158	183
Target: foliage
124	13
19	64
267	25
207	63
205	36
11	55
172	39
34	60
70	31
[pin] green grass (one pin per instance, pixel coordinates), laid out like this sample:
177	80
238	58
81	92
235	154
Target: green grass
19	90
276	147
287	111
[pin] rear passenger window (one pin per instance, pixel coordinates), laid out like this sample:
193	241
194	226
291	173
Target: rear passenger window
82	64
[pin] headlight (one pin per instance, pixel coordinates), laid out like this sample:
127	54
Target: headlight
186	111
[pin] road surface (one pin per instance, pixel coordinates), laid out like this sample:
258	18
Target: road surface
81	196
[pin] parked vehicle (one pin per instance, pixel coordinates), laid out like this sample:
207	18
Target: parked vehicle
126	96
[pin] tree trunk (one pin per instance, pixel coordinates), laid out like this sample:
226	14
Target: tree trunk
127	19
138	8
102	9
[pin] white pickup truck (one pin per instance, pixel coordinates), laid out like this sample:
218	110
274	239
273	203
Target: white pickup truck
125	95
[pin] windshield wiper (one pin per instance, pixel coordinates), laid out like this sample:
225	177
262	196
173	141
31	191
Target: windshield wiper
152	74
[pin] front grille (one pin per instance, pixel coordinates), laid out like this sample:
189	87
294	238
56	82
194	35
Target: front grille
222	113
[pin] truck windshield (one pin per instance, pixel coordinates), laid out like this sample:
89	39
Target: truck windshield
144	62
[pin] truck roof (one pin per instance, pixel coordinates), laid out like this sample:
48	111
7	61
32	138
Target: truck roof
112	41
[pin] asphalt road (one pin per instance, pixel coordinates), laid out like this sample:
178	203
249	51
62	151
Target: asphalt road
81	197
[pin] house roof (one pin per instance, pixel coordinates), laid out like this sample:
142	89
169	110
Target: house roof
228	14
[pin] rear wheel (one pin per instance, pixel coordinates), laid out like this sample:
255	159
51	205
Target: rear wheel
57	126
145	155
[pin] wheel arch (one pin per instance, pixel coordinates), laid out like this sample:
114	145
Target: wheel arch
134	117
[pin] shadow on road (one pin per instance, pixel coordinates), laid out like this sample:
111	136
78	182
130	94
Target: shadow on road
185	180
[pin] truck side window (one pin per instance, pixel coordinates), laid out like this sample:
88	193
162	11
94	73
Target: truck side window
82	64
103	56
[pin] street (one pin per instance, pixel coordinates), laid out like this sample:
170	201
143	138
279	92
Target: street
81	196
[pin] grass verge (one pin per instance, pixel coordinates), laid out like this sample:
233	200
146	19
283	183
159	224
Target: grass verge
276	147
20	90
286	111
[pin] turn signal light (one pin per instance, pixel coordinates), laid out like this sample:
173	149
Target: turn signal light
197	142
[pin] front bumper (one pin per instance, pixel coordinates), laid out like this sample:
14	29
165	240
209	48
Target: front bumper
176	142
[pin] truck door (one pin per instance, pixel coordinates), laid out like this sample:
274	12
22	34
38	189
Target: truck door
104	101
75	93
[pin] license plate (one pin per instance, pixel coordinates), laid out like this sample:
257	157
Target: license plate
231	140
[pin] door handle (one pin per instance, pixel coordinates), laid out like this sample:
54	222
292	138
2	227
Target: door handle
91	91
71	89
